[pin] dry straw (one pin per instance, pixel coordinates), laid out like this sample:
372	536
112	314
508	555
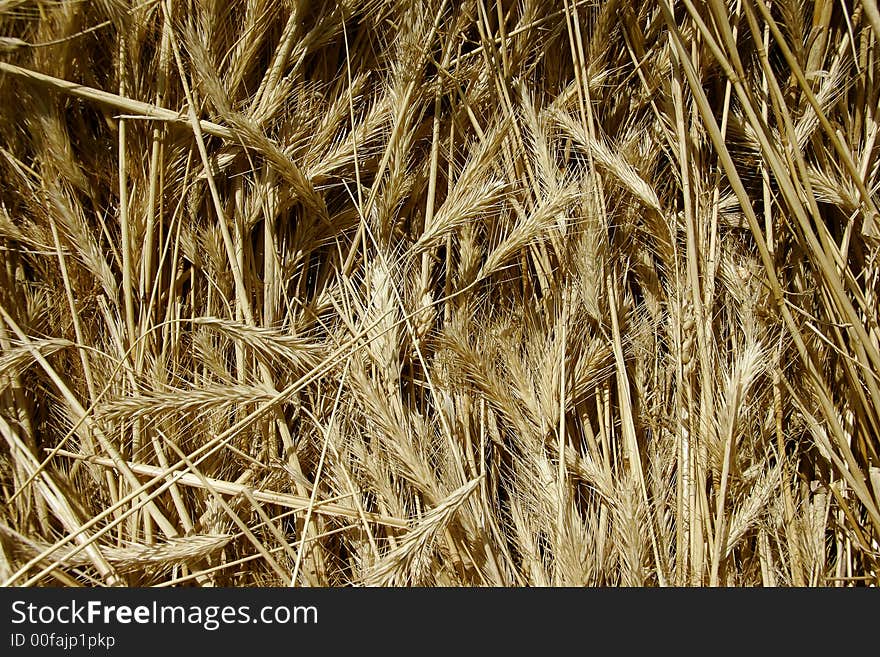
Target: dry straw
430	293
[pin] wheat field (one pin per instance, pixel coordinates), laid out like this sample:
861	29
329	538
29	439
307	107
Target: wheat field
480	293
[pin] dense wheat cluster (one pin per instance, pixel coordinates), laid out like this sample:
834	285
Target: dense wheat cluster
489	292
